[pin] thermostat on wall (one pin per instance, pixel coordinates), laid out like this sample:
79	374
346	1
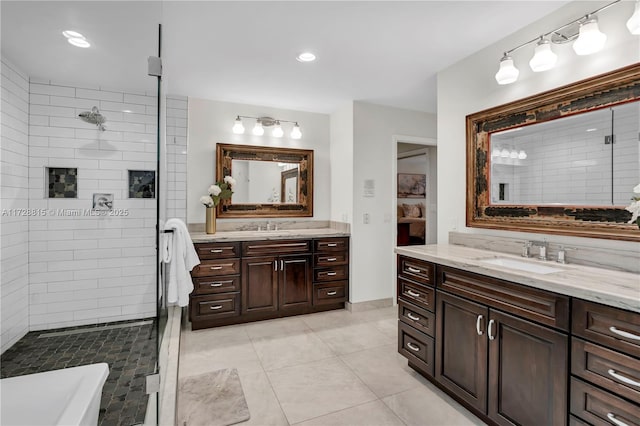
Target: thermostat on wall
369	189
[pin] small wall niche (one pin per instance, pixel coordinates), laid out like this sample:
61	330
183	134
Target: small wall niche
142	184
62	182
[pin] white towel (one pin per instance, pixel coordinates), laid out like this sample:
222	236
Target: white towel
183	258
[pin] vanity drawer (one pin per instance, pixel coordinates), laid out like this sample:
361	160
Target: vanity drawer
417	347
331	259
331	244
217	250
609	369
422	296
215	285
422	320
609	326
331	274
215	306
537	305
275	247
335	292
599	407
417	270
212	268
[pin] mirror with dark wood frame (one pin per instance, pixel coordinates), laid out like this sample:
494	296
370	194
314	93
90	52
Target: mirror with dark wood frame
270	182
503	141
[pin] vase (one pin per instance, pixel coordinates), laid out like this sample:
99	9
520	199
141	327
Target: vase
210	224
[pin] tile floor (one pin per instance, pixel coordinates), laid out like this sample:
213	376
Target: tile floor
330	368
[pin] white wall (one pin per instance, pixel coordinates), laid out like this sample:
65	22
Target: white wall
372	258
210	122
469	86
341	159
86	269
14	194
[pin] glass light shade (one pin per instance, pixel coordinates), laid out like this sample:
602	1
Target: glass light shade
507	73
543	59
296	133
238	128
633	24
513	154
277	130
522	155
72	34
495	152
78	42
258	130
590	40
505	153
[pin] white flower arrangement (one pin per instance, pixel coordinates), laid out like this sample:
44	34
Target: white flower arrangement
634	207
219	191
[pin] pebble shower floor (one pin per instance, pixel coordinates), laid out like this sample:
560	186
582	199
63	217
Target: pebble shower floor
130	351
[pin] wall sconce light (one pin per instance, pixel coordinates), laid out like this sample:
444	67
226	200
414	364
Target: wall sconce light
262	122
583	32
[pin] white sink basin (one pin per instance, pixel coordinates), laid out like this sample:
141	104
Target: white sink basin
520	265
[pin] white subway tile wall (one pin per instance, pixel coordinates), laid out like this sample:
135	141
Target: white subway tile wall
93	269
14	195
177	157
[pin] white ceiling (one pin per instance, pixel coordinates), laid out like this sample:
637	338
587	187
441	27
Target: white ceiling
385	52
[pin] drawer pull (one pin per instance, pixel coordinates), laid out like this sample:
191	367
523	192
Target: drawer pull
216	268
331	259
413	347
331	274
332	245
491	337
414	270
215	284
478	325
332	293
612	419
217	251
622	378
413	293
624	333
215	308
413	317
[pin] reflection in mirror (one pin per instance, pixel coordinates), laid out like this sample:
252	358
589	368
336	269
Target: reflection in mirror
264	182
584	159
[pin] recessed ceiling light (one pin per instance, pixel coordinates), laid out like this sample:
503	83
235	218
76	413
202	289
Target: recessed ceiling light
306	57
79	42
72	34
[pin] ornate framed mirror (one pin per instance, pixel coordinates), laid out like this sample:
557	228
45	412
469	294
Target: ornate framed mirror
560	162
270	182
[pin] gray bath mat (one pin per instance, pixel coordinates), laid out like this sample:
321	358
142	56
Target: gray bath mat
212	399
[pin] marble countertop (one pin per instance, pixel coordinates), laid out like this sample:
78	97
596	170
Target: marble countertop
284	234
613	288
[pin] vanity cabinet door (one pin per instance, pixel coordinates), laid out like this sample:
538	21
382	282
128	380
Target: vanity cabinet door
461	352
528	369
295	282
260	284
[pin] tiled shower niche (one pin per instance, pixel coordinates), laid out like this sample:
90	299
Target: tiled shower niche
142	184
62	182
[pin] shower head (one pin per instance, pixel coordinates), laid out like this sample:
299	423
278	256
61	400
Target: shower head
94	117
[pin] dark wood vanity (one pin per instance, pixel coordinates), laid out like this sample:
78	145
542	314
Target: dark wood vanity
246	281
518	355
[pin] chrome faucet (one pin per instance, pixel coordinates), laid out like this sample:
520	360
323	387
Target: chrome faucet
542	253
562	254
526	249
268	225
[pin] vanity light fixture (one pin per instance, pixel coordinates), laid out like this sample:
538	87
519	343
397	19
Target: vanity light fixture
76	39
262	122
583	32
633	24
